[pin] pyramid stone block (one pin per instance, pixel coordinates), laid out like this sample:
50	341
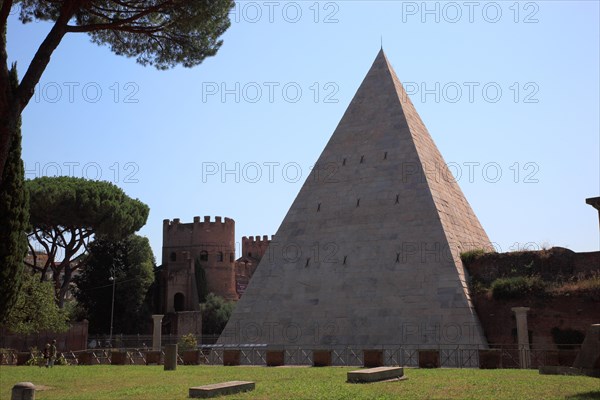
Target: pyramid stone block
369	252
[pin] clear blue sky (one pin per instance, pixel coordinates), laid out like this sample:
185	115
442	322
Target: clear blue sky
157	134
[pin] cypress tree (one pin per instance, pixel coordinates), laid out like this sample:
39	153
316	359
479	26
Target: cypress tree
14	219
201	284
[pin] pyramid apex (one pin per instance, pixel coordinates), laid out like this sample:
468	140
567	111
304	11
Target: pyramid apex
381	62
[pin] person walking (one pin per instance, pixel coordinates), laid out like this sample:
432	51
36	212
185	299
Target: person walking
51	354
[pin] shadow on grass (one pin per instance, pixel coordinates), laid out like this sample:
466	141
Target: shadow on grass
595	395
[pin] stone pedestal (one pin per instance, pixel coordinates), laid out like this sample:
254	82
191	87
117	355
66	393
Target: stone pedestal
231	357
153	357
429	359
372	358
85	358
523	336
119	358
157	332
275	358
490	359
23	357
23	391
170	357
322	358
192	357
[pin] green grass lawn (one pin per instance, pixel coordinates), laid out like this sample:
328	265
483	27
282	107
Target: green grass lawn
151	382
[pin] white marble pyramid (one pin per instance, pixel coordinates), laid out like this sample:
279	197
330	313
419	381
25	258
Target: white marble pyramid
368	253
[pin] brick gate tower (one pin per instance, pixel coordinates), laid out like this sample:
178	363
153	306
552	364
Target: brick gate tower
212	244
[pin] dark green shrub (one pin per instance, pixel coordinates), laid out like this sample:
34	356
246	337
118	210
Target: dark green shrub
470	256
187	342
215	314
518	286
36	357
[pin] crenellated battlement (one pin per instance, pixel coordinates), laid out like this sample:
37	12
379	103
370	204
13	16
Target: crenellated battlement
257	239
198	223
216	236
255	246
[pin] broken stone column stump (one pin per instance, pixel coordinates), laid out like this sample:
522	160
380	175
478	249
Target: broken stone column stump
23	391
170	357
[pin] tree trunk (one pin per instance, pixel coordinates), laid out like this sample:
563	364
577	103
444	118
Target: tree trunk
64	287
14	218
10	122
7	133
14	98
